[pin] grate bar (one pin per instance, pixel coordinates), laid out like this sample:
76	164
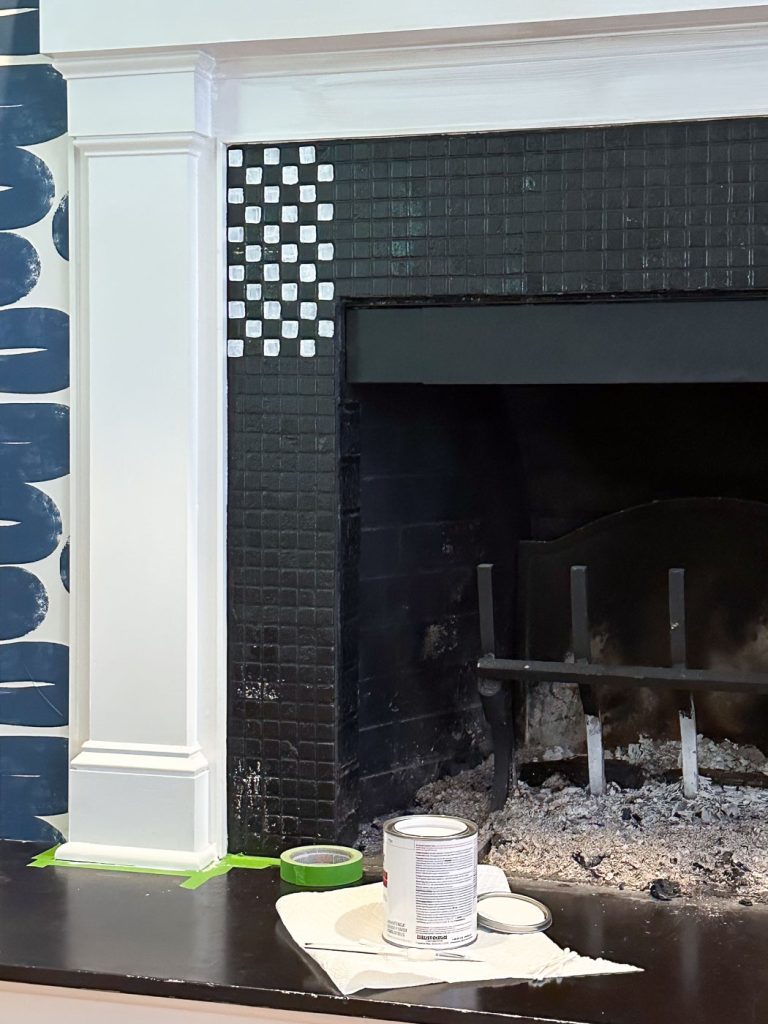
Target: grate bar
582	654
687	706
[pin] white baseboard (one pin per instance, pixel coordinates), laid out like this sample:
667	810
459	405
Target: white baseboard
139	805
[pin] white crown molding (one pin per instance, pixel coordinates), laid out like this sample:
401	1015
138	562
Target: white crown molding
622	45
134	62
188	143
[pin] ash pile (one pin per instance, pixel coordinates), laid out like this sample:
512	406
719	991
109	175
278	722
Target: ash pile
647	839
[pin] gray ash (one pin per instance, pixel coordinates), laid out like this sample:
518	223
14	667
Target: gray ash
715	845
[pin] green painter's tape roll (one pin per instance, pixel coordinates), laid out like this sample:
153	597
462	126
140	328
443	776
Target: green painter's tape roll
321	867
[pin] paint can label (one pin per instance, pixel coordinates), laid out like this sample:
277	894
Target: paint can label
430	879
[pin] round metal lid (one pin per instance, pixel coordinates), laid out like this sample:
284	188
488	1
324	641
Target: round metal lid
512	913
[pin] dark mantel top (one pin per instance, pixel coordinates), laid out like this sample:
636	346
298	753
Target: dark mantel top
223	943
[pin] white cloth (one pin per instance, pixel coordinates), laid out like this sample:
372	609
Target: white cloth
346	917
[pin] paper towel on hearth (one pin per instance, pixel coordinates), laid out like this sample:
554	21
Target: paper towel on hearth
347	916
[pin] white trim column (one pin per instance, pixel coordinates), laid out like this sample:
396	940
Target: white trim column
148	552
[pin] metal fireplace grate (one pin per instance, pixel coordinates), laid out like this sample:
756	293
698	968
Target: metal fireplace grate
685	682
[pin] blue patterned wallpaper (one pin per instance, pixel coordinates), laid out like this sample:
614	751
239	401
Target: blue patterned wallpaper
34	429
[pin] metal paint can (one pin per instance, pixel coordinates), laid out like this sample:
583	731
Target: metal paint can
430	881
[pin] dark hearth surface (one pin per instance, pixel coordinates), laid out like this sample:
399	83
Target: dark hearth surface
223	943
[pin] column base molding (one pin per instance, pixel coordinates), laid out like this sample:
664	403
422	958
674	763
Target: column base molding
140	805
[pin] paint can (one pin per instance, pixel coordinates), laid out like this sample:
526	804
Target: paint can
430	881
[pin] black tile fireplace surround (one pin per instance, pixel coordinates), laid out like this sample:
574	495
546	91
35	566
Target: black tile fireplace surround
658	211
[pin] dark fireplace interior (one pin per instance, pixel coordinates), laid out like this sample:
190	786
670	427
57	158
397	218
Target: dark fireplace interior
451	476
366	484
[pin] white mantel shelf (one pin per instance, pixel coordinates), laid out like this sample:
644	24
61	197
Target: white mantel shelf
156	92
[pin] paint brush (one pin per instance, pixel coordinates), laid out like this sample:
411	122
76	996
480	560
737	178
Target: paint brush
400	954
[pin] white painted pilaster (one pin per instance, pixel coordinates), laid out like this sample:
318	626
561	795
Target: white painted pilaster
146	781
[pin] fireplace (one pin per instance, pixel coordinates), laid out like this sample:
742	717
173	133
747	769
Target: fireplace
203	719
444	348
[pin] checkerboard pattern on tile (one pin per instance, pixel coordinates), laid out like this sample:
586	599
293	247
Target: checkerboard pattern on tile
280	253
643	208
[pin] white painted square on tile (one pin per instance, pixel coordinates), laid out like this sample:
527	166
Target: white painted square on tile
307	193
325	211
253	328
325	290
325	251
236	234
271	346
237	273
235	195
252	214
308	233
272	310
235	310
272	155
289	253
290	174
271	233
308	310
290	292
306	154
325	328
235	158
290	328
289	214
307	272
253	175
307	347
271	271
234	347
252	253
272	194
253	292
325	172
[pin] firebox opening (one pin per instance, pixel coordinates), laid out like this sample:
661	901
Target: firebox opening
454	475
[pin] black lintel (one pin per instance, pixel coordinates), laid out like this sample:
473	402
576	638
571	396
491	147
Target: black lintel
604	341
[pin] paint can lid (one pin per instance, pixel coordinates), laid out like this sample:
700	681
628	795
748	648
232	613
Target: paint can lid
512	913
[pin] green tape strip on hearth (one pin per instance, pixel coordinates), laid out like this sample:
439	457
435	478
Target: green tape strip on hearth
192	879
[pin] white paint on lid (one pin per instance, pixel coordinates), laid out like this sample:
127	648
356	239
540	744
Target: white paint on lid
511	911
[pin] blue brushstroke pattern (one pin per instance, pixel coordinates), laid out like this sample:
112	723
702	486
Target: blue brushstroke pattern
23	603
20	33
28	182
33	438
35	662
33	781
60	228
34	441
33	446
19	268
33	104
64	566
37	528
34	373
